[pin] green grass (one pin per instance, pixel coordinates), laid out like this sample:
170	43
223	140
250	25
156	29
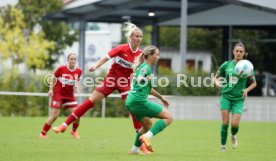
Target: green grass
110	140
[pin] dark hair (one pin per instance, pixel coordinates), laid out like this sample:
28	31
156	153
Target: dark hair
243	46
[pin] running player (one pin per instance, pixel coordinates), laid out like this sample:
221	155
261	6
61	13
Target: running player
118	77
138	104
65	80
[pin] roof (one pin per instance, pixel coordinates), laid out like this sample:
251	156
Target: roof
167	12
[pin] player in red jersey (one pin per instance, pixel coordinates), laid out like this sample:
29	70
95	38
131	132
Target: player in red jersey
65	80
118	77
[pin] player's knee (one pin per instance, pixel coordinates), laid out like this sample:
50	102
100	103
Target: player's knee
169	120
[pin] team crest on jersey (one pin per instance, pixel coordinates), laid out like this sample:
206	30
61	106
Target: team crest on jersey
143	71
56	103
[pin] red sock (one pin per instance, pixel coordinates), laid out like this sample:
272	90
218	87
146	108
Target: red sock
81	110
137	125
75	127
45	129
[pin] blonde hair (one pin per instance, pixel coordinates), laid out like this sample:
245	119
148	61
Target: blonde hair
149	50
71	55
128	29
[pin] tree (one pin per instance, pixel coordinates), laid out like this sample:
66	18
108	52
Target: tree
15	46
58	32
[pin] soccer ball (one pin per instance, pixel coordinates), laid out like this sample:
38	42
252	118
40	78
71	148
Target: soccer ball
244	68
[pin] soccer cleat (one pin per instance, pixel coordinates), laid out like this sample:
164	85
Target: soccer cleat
234	141
146	141
144	149
60	128
42	136
223	148
75	134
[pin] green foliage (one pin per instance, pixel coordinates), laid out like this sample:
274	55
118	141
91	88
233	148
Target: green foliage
17	47
58	32
187	84
22	105
169	37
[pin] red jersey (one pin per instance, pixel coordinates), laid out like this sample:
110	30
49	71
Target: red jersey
66	80
123	60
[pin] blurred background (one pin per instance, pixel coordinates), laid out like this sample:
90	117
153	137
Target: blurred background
195	37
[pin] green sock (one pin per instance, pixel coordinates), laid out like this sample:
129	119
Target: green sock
137	143
234	130
223	134
158	127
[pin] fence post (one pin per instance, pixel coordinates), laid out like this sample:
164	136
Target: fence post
103	107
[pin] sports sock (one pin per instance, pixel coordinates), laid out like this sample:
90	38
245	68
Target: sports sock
158	127
45	129
75	126
81	110
137	125
234	130
137	142
223	134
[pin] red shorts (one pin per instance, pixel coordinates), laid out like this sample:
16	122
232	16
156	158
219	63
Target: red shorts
110	84
59	102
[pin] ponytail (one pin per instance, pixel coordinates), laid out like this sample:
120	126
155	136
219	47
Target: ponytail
138	61
149	50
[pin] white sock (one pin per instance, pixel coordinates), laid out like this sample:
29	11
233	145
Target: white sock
65	124
135	149
149	134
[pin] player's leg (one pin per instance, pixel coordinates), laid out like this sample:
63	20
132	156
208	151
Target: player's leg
236	117
80	111
137	143
165	119
52	118
76	123
225	106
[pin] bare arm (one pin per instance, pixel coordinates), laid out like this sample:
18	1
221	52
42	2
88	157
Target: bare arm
249	88
216	81
156	94
77	87
99	63
53	81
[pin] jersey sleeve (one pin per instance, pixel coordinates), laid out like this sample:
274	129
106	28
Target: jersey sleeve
58	72
114	52
221	70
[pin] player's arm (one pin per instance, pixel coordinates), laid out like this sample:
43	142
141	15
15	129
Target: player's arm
157	95
220	73
250	87
53	81
77	86
99	63
216	81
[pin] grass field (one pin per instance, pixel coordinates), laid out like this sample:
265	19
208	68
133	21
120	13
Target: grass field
110	140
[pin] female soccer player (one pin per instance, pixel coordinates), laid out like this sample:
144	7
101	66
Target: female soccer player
138	104
65	80
118	77
233	93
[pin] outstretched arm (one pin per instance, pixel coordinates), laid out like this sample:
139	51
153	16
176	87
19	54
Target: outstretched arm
99	63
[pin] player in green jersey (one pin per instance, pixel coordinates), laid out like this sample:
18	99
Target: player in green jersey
233	93
138	104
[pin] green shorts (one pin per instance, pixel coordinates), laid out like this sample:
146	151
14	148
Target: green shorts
144	109
235	107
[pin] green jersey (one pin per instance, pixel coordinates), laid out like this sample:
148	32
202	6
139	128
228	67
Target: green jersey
140	91
233	85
